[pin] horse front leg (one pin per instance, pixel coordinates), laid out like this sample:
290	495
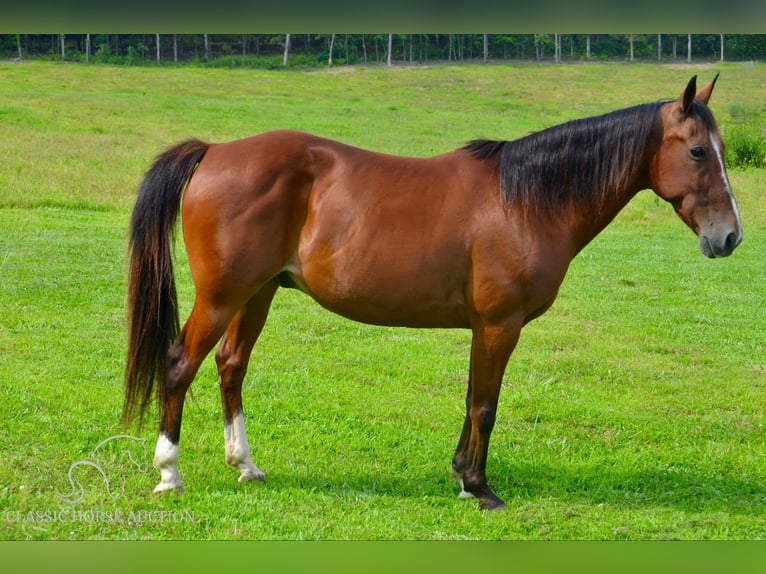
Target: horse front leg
461	453
490	349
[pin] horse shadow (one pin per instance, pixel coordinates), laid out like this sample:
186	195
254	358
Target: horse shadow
131	452
523	483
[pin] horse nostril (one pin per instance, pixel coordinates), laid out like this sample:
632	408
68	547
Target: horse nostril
731	242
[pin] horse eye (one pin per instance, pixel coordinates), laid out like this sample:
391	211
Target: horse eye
697	152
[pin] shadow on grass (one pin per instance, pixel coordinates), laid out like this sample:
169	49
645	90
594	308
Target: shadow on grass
687	490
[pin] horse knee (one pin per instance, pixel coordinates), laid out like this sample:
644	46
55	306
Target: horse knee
483	416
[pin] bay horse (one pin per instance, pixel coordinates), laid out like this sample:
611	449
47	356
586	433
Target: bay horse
477	238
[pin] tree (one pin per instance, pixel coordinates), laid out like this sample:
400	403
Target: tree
659	47
287	49
689	48
369	48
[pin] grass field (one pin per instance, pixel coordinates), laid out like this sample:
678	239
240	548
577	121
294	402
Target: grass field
633	410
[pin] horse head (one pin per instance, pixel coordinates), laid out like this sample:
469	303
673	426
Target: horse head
689	171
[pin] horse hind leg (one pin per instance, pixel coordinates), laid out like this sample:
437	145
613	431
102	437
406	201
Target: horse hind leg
202	330
232	358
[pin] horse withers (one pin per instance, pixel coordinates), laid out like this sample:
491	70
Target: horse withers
477	238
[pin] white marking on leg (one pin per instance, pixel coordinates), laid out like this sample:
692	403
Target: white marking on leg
459	477
463	492
166	461
238	449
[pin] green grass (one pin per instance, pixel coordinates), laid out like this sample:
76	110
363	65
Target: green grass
634	409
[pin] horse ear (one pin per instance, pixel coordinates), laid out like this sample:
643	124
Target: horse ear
704	93
688	96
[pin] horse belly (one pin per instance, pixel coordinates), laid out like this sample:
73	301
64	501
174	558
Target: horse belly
393	294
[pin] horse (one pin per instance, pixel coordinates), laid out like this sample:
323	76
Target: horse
476	238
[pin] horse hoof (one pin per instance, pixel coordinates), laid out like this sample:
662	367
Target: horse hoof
164	487
492	504
249	475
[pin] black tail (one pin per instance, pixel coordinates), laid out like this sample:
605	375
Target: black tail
152	302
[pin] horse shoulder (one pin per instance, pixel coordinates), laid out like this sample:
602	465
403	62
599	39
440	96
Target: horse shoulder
517	268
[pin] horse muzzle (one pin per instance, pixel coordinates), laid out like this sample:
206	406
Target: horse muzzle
722	244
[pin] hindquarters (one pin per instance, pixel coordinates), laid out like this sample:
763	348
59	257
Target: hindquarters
240	213
241	204
243	212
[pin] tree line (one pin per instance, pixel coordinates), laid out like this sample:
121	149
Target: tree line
274	50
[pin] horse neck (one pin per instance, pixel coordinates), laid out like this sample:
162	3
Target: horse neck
585	223
578	176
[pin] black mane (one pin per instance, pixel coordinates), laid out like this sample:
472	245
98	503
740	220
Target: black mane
580	161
